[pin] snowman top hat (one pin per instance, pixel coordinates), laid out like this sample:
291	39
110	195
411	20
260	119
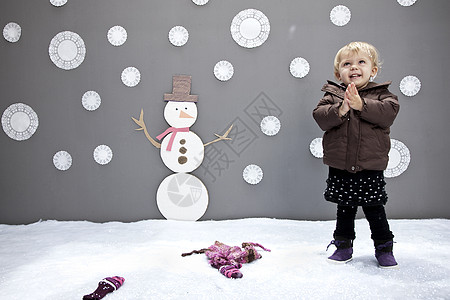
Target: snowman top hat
181	90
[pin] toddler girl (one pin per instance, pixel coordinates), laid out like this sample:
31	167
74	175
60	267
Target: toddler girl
356	116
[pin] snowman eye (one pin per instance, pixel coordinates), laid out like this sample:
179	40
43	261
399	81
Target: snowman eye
176	108
185	108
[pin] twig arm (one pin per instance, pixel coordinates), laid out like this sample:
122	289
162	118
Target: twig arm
220	137
141	123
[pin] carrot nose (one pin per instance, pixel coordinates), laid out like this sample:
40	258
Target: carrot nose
185	115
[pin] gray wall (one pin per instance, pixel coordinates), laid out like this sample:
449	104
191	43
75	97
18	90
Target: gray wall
412	41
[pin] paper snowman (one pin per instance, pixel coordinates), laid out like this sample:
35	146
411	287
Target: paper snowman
181	196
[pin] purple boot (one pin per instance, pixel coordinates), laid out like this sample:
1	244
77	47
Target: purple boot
384	255
343	252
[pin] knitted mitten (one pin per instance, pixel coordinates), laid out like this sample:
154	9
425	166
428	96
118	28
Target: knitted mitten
231	271
105	286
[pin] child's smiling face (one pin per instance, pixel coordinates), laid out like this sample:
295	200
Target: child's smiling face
356	67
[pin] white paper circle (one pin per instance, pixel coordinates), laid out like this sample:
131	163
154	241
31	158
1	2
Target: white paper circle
316	147
200	2
270	125
178	36
187	152
67	50
399	159
117	35
19	121
406	2
58	3
223	70
250	28
103	154
340	15
131	76
299	67
410	85
62	160
252	174
182	197
12	32
91	100
180	114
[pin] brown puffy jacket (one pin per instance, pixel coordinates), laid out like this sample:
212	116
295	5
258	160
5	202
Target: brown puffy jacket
360	139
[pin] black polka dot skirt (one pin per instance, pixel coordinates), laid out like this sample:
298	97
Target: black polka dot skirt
363	188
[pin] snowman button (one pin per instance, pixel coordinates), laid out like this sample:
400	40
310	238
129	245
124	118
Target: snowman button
182	141
183	150
182	160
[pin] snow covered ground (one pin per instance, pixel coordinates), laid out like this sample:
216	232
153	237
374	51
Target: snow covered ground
65	260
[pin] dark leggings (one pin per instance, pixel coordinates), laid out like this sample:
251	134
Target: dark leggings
375	215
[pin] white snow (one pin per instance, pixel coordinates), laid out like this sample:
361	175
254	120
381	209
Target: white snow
65	260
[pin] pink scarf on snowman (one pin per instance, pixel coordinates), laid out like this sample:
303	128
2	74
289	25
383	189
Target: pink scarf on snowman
172	138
